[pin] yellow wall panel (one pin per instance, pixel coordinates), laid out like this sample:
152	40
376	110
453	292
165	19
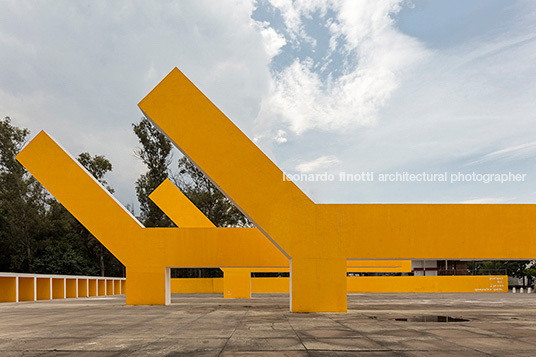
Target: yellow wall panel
8	289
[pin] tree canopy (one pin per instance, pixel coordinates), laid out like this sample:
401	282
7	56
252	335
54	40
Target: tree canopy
37	234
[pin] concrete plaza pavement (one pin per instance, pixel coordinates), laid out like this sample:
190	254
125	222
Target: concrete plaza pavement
208	325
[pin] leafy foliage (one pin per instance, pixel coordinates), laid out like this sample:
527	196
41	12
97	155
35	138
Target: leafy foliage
514	268
37	234
207	197
155	152
156	155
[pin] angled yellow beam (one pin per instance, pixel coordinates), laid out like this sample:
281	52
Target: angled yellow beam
178	207
83	196
319	238
277	207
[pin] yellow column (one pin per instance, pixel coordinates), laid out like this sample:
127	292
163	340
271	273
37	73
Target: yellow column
237	283
318	285
146	285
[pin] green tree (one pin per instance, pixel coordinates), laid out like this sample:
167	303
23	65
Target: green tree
155	152
514	268
98	166
37	234
62	248
207	197
22	202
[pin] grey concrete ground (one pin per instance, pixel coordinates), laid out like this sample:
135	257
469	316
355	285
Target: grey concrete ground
208	325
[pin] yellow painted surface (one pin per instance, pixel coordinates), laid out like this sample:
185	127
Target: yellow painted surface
101	287
109	287
378	266
117	287
43	289
168	197
8	289
26	289
58	288
197	286
92	287
147	251
428	284
237	283
320	237
83	288
363	284
70	285
123	286
270	285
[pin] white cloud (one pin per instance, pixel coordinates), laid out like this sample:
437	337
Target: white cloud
280	137
375	56
271	39
509	152
321	163
78	68
344	82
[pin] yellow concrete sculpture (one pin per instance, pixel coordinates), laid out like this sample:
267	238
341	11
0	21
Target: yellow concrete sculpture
319	238
237	281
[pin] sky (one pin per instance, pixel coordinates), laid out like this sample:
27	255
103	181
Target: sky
354	100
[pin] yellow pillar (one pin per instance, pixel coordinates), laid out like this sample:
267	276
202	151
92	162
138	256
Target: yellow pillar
318	285
237	283
146	285
123	286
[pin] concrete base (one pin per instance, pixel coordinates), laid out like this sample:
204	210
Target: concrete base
209	325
